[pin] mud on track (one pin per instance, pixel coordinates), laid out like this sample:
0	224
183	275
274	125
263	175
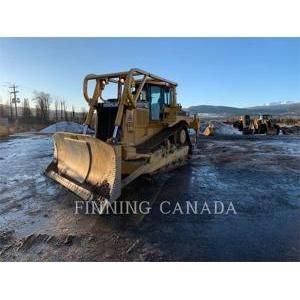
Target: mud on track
259	175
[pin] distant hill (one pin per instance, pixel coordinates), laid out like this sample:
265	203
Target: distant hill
289	110
280	102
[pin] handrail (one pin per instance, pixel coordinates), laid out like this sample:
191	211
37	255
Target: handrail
134	72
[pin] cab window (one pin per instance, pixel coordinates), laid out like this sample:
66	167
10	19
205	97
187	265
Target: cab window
168	95
156	101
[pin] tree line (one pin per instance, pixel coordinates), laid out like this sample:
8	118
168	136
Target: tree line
43	109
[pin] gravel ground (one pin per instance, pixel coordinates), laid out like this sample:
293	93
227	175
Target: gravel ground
259	176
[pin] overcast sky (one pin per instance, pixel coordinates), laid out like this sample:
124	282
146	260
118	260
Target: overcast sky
213	71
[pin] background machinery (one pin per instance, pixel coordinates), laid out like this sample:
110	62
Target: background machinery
246	124
263	124
141	130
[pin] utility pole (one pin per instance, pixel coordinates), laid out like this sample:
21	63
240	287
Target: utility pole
15	100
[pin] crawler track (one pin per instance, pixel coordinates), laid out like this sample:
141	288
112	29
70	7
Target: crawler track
157	140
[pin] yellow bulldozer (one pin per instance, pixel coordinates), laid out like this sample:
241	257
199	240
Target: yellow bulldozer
141	130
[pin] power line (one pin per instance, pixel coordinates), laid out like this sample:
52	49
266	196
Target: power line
15	100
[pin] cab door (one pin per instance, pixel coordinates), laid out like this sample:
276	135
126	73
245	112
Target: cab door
156	102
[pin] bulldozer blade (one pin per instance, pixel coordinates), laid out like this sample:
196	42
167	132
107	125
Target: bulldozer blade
86	166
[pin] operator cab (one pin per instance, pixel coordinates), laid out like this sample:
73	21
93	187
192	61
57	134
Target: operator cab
156	98
152	96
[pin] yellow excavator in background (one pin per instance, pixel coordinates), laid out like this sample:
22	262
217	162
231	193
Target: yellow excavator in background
263	124
141	131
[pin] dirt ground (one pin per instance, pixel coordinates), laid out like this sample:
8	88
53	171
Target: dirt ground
259	175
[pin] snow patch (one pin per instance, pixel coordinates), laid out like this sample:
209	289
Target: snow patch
221	128
65	127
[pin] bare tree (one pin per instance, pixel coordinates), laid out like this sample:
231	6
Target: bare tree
73	113
10	108
6	110
61	109
83	114
43	102
27	114
56	104
1	108
65	111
